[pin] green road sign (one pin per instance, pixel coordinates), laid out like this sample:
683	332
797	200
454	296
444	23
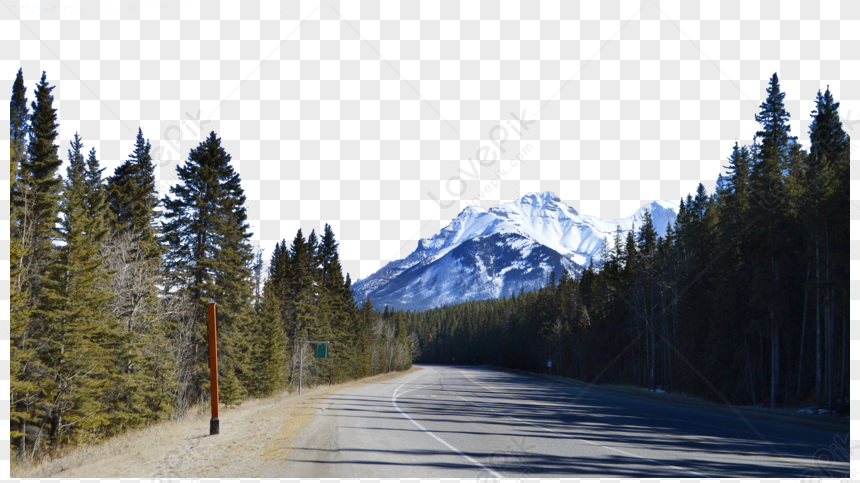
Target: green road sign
321	351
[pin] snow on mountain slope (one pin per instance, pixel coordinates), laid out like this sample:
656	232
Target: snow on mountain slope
487	253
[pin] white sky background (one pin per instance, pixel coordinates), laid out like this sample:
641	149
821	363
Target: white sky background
230	130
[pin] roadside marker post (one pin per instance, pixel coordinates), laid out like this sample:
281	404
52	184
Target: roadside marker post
214	423
318	353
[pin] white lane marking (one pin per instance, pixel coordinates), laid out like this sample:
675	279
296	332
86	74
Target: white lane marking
437	438
575	438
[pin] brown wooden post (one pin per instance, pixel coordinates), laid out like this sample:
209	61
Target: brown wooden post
214	423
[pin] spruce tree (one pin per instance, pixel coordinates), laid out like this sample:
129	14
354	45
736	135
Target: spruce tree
39	169
333	307
300	287
97	202
133	198
18	125
231	391
83	339
367	317
208	253
40	197
270	346
359	331
827	172
36	198
768	184
23	365
647	236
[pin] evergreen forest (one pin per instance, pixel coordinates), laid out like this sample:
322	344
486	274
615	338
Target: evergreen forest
109	286
743	301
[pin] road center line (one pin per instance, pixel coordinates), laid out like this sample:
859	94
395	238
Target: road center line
437	438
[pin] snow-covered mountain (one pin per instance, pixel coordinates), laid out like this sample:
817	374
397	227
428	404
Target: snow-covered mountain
493	253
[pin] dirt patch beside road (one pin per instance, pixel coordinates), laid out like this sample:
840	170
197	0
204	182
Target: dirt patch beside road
255	436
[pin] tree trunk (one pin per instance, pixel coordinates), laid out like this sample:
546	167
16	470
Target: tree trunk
829	321
750	372
761	364
666	383
674	333
817	324
639	370
653	384
774	360
774	375
844	358
803	333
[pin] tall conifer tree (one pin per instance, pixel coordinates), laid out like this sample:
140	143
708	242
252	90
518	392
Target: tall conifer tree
209	255
133	197
83	340
23	362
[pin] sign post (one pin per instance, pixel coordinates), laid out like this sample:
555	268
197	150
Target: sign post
321	352
214	423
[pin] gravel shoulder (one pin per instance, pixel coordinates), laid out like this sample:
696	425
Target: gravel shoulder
255	437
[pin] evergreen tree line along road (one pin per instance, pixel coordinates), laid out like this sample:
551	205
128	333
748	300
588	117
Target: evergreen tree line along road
109	285
745	300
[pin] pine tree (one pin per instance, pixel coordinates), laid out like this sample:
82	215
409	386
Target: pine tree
147	388
133	198
40	186
768	185
96	201
737	202
82	339
647	237
209	255
23	364
18	125
36	199
827	172
334	307
231	391
271	346
359	331
300	288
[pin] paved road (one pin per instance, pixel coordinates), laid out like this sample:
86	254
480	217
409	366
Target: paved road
478	423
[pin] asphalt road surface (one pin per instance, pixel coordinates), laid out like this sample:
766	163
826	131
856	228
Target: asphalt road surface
471	422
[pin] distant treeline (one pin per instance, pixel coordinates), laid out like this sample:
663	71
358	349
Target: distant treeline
109	286
745	300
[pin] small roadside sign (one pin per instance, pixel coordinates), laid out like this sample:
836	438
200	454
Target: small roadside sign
549	363
321	351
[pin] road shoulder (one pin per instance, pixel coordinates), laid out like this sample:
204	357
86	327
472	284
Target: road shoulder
255	436
785	416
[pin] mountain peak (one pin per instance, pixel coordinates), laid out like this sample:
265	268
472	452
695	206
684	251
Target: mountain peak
482	253
543	197
534	204
539	199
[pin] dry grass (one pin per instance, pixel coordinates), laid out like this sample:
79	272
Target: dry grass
254	436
